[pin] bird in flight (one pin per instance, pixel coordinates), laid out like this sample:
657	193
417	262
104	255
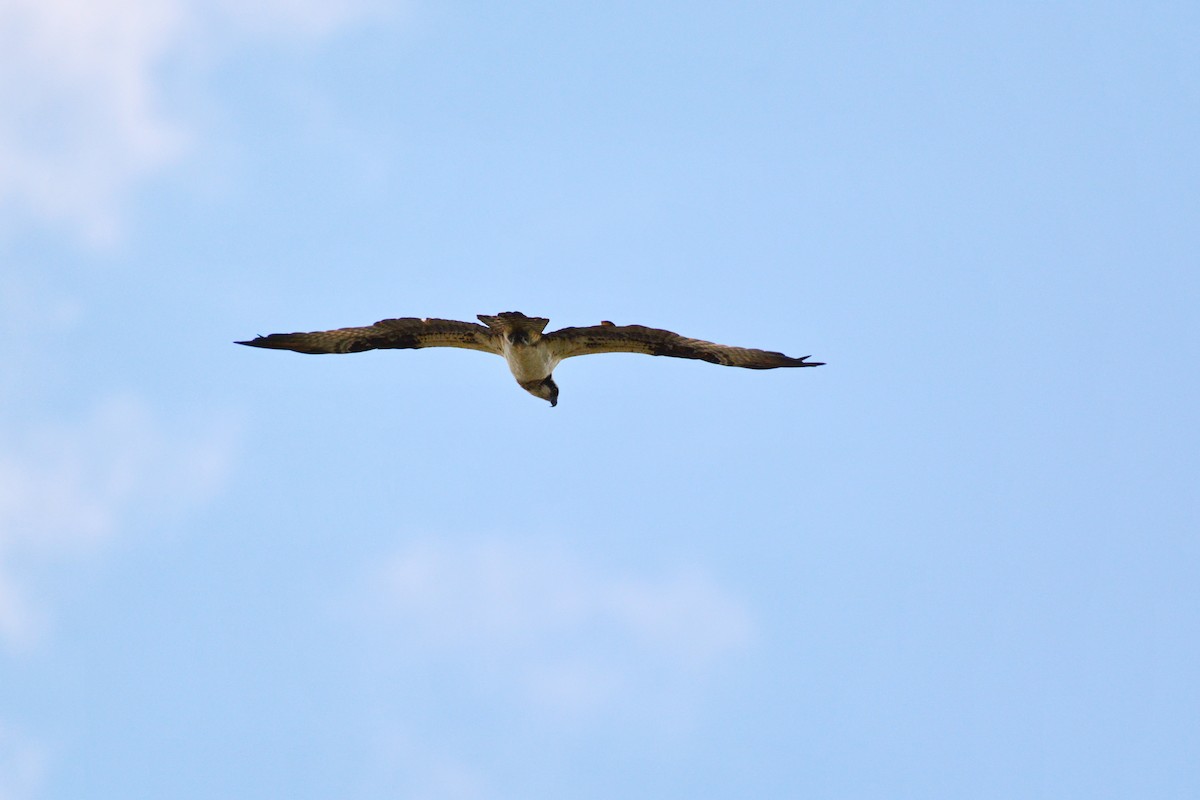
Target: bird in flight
531	354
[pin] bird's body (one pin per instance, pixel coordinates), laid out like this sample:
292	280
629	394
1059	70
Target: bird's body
531	354
528	362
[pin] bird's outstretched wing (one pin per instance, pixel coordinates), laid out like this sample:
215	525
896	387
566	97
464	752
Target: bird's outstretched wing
404	333
608	338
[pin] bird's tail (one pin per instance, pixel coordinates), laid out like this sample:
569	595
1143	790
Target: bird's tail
508	323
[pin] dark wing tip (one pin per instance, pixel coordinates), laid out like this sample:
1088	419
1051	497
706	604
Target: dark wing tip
280	341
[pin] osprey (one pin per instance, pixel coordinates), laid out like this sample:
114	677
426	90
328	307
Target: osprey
531	354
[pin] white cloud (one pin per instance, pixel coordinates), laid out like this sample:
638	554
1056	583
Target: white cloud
568	635
66	489
82	82
80	119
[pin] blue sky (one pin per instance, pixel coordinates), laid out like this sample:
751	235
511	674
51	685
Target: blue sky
958	561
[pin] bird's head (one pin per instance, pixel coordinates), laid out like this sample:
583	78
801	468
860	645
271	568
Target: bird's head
546	389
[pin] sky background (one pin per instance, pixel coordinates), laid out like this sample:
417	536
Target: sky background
959	561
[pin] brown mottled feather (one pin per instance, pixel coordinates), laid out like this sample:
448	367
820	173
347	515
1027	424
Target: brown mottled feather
403	333
570	342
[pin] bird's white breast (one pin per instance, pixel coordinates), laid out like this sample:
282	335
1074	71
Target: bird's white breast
529	362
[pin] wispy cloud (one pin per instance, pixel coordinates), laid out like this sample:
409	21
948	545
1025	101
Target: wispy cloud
566	634
82	84
67	488
80	113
